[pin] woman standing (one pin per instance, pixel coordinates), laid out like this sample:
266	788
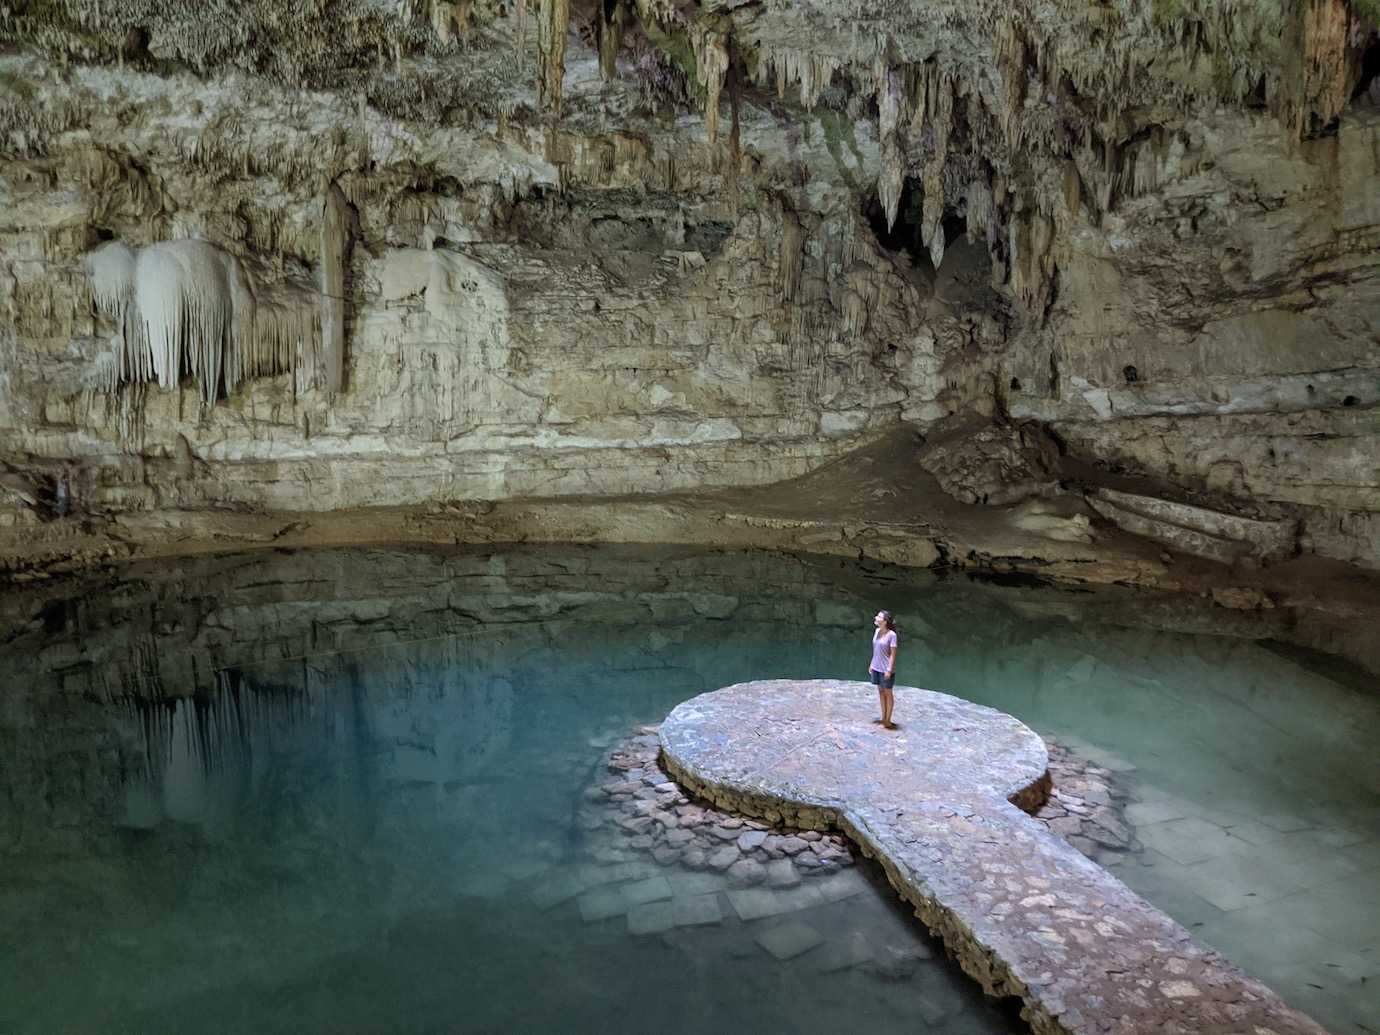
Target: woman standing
883	668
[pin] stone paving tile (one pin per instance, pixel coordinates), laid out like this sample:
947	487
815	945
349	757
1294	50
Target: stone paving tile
1333	908
1253	833
652	918
604	902
1338	837
563	885
695	910
1284	822
1217	815
1360	817
852	950
1237	881
522	870
1269	950
1017	905
842	885
1364	854
756	903
649	890
601	904
1145	813
1350	966
558	889
791	939
1324	864
1110	760
1187	841
1148	792
683	884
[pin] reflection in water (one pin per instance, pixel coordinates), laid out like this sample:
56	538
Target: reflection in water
326	790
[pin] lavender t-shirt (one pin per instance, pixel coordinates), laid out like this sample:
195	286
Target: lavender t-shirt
881	650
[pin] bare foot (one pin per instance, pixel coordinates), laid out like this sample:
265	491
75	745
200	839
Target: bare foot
877	722
890	725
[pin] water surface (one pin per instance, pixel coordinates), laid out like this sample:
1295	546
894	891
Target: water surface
325	791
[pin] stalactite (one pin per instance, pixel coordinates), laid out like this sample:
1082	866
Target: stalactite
520	36
1032	269
1321	66
861	297
812	72
919	101
711	67
792	255
111	272
187	306
1145	173
335	245
939	101
892	175
1111	172
1072	188
449	18
553	26
979	213
1011	70
612	19
183	296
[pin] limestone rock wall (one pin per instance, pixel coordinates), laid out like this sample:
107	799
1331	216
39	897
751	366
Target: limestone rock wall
643	247
593	315
1222	335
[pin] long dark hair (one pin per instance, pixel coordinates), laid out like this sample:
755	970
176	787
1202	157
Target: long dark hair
890	621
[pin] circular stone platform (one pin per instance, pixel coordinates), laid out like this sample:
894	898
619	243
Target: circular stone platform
815	739
1022	911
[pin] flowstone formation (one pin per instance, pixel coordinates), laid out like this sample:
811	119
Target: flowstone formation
283	260
938	802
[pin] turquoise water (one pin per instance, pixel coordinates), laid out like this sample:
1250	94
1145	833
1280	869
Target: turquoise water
333	791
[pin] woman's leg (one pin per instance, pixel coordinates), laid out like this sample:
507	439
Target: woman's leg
888	703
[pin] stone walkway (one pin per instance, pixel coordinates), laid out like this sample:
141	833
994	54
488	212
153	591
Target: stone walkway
935	801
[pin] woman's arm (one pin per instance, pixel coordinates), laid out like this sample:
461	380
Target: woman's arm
891	659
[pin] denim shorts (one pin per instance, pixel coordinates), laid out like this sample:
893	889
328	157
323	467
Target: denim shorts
882	680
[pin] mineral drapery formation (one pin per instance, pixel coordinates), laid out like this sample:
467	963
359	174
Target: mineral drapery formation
289	246
334	256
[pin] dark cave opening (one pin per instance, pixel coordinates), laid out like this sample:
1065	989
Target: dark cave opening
903	237
1369	80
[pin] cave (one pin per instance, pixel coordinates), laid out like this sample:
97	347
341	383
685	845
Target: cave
584	513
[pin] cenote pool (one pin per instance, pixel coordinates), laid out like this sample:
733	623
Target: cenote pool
335	790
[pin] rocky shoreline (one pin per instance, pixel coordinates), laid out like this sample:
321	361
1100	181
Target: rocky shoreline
655	816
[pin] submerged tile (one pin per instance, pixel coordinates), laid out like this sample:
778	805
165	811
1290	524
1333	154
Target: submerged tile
850	950
1187	841
790	939
651	918
756	903
694	910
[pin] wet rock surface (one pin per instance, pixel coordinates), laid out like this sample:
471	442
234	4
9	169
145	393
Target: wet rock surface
1087	808
1022	911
